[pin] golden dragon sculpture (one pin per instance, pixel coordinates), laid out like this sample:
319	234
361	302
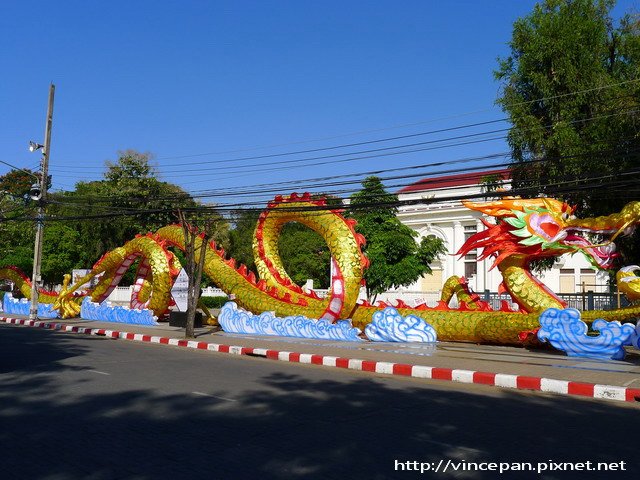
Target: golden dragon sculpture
524	230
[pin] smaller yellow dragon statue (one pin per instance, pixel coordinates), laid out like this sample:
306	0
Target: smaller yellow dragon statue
522	230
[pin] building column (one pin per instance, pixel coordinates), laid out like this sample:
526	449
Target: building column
481	276
458	240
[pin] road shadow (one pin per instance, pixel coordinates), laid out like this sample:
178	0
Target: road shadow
24	349
289	426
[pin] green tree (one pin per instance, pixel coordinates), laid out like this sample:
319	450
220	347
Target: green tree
241	238
132	184
18	182
17	236
130	188
305	255
395	257
570	88
61	252
19	250
304	252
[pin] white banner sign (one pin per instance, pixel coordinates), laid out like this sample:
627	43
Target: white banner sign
180	290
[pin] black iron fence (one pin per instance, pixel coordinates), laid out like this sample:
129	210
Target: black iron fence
582	301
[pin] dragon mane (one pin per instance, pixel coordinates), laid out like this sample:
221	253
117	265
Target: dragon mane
498	240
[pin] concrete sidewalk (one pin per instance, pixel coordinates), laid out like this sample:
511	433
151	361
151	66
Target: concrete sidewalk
509	367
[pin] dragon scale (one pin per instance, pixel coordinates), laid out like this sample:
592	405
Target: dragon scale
522	230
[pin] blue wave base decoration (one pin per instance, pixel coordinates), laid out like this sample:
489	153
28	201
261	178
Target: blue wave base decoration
634	339
236	320
389	325
104	312
23	305
566	332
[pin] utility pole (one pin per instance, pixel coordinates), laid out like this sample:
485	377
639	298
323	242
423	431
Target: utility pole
44	180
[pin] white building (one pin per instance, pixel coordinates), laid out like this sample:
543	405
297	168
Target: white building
453	223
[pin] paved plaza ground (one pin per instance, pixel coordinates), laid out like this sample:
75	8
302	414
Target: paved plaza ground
87	407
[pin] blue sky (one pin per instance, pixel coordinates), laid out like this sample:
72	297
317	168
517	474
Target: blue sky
215	81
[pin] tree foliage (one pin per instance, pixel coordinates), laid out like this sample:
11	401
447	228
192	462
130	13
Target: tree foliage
60	252
571	91
18	182
305	255
130	187
241	238
16	237
395	257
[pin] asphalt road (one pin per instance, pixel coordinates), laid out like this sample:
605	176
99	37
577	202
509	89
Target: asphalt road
76	407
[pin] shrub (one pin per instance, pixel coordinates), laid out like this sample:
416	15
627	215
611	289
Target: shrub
214	302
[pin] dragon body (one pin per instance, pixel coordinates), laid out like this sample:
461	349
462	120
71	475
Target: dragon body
523	230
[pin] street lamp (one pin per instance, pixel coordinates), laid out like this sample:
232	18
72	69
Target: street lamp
35	192
39	192
33	146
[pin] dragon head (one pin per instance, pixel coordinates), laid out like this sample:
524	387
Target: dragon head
545	227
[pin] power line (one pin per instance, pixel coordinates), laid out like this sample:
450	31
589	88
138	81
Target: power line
565	186
255	188
339	180
232	160
540	99
28	172
201	173
459	127
298	165
369	142
285	162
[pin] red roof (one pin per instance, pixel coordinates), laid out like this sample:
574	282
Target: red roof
457	180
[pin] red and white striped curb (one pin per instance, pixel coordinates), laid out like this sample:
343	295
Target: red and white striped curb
521	382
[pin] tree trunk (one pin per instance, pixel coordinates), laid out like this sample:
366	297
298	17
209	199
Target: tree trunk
193	268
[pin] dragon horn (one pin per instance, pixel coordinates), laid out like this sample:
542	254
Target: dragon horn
627	217
506	206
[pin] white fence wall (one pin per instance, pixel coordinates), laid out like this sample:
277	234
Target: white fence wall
213	292
589	301
411	298
122	295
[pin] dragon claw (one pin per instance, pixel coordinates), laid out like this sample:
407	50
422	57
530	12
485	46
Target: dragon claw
629	282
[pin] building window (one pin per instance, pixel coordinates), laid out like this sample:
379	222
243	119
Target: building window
433	281
567	280
471	259
587	280
470	268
